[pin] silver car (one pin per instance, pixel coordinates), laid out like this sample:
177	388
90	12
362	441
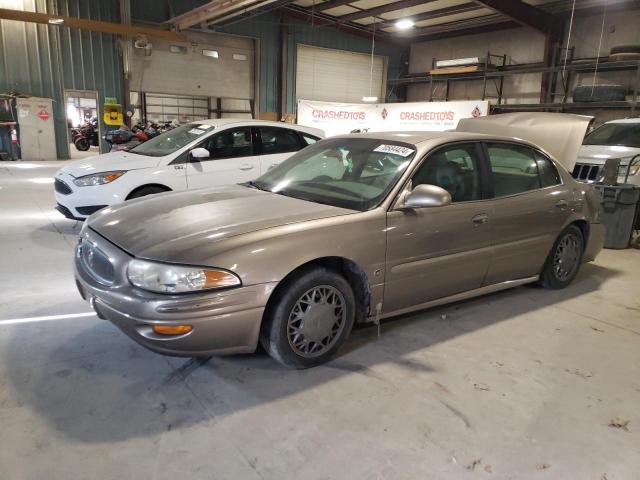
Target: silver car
354	228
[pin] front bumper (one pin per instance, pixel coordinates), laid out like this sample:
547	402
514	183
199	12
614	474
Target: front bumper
78	203
224	322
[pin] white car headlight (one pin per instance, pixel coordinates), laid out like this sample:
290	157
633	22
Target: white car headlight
98	178
166	278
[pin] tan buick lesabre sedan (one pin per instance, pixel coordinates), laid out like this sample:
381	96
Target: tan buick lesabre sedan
351	229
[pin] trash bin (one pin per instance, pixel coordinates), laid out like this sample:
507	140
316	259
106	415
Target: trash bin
618	205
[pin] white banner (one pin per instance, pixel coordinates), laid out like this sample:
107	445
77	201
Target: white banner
340	118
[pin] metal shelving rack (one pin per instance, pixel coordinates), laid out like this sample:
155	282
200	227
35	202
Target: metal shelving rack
560	76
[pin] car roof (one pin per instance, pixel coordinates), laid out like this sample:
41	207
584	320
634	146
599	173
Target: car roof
625	120
417	138
223	122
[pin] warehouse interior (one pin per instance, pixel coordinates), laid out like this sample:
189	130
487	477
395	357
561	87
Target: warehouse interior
521	383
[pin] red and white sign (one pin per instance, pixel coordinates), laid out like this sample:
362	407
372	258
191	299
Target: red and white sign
43	115
340	118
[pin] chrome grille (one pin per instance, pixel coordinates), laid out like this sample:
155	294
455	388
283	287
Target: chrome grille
587	172
96	262
61	187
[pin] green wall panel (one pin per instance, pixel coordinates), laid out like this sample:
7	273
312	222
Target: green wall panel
43	61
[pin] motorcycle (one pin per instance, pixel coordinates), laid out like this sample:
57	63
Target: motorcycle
125	138
86	136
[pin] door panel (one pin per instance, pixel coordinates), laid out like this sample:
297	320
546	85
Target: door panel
232	160
527	218
440	251
435	252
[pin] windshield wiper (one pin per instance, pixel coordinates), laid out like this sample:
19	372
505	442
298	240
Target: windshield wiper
253	184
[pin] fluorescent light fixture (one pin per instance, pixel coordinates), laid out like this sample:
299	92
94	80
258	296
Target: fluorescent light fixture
56	21
369	99
404	24
210	53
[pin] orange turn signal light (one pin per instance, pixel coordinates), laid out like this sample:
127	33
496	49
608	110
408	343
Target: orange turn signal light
172	329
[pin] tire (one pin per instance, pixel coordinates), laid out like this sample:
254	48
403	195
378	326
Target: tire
284	335
82	144
144	191
555	274
599	93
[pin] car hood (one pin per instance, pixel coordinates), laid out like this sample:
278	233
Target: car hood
598	154
109	161
165	226
559	134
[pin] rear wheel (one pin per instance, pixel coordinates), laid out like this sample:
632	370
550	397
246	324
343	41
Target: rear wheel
311	317
564	260
82	144
144	191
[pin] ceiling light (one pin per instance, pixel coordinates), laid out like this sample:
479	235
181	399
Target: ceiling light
56	21
404	24
369	99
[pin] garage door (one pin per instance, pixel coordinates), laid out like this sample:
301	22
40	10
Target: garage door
208	65
181	108
338	75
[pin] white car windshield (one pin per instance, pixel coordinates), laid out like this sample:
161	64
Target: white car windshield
173	140
354	173
615	134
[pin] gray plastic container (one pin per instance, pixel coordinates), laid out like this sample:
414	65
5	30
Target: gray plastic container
618	207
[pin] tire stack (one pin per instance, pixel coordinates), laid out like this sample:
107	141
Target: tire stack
610	92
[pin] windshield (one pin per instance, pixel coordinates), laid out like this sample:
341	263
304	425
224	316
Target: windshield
618	134
173	140
354	173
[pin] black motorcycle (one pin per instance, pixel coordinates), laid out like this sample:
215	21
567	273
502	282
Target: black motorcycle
86	136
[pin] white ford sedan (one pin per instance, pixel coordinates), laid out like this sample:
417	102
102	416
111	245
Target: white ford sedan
198	154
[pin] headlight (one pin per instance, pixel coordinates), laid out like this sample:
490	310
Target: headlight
98	178
634	169
166	278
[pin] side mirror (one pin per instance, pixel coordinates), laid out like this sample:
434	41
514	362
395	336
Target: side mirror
426	196
198	154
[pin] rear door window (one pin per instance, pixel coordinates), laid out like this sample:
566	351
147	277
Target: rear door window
514	169
279	140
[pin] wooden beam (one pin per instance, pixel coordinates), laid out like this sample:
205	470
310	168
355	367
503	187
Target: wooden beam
441	12
389	7
93	25
522	13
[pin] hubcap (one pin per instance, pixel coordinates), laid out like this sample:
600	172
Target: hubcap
567	255
316	321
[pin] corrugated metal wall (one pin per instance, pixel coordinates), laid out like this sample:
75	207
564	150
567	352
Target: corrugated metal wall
266	28
43	60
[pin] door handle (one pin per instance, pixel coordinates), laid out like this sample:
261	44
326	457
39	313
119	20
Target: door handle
480	219
246	166
562	204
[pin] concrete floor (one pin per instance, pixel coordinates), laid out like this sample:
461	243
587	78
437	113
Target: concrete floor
518	385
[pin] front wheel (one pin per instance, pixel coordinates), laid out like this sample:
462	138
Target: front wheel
311	317
564	260
144	191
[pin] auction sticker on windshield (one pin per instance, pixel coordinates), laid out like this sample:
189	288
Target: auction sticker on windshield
395	150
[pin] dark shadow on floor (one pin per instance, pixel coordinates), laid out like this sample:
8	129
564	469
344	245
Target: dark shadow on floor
96	385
